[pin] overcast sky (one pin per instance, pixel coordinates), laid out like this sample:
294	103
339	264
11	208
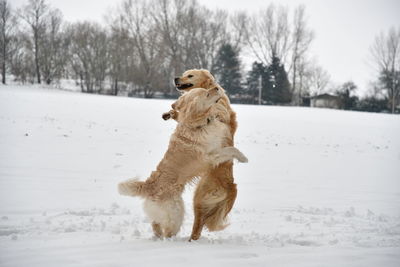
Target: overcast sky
344	29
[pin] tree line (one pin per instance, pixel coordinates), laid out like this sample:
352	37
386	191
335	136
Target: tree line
144	44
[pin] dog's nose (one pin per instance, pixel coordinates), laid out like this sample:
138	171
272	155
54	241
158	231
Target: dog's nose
176	80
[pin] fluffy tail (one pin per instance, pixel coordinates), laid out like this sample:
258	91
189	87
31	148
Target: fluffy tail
132	187
216	219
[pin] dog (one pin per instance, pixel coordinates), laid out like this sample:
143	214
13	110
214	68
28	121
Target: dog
216	192
197	145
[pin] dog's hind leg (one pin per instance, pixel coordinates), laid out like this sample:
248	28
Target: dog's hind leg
213	199
157	229
205	203
167	216
198	223
175	211
199	209
170	232
216	219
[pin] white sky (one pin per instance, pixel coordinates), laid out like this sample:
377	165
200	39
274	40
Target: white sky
344	29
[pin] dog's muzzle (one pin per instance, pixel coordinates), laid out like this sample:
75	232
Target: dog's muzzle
184	86
180	86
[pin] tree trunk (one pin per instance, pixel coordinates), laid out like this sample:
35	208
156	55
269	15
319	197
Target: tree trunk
116	87
393	102
393	86
3	67
294	78
3	72
37	57
300	103
81	78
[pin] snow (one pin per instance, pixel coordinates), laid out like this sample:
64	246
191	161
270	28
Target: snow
322	187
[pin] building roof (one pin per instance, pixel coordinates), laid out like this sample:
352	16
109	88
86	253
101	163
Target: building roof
325	96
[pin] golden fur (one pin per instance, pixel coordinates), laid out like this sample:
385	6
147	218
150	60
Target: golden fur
216	192
198	144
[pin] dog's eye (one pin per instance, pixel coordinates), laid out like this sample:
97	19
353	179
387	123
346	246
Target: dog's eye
190	76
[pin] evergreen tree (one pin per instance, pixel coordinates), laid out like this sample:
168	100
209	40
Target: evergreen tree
227	69
277	86
253	80
372	104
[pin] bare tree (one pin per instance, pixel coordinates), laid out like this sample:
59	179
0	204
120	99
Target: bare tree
237	28
89	55
121	51
34	14
168	19
385	52
191	33
300	43
146	38
268	35
21	61
303	76
54	47
8	41
375	91
271	34
211	35
319	80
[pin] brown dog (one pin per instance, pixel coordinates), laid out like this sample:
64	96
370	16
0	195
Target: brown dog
197	145
216	192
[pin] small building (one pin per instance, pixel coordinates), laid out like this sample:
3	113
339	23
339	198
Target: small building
326	101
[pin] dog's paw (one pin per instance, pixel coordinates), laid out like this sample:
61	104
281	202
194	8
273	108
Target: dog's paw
166	116
194	237
172	114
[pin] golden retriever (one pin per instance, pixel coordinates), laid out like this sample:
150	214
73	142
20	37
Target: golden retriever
197	145
216	192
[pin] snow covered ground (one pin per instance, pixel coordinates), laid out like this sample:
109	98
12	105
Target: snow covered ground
322	187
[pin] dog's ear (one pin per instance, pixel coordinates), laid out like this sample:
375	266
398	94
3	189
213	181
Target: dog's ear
191	110
209	80
207	83
192	105
195	113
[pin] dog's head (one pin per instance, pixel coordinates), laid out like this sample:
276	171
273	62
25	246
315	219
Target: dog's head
196	78
194	105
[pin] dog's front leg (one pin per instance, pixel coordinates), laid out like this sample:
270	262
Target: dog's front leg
172	114
225	154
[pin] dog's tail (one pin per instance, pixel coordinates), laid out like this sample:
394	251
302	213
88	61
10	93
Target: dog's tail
216	219
133	187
